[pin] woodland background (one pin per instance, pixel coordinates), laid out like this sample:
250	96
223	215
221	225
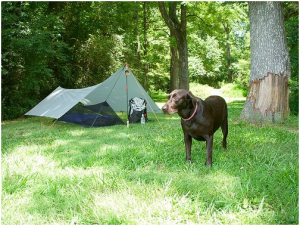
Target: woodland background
80	44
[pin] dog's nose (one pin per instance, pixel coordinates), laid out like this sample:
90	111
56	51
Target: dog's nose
164	108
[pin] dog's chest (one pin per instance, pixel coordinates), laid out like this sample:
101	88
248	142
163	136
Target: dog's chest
195	130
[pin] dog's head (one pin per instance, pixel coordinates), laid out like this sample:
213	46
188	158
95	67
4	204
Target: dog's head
178	99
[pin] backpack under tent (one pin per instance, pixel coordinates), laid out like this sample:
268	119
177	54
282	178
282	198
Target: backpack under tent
137	110
97	105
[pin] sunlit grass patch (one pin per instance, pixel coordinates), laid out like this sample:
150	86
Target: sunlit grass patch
232	90
67	174
201	91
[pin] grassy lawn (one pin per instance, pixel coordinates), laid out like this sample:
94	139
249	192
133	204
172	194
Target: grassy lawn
230	92
67	174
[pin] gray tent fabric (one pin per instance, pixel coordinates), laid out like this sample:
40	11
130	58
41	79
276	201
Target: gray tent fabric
59	102
112	90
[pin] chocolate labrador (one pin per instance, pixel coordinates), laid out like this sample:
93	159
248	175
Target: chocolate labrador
200	119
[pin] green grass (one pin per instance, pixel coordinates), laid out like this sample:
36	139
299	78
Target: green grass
228	91
232	90
201	91
67	174
159	96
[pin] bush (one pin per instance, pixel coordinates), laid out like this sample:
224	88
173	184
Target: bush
294	96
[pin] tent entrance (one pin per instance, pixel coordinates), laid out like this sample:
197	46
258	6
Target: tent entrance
97	115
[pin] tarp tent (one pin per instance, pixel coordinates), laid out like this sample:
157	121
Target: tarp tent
99	102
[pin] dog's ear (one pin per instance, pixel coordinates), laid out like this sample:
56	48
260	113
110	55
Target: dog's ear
189	96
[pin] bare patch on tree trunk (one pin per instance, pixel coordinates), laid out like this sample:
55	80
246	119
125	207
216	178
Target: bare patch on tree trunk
268	99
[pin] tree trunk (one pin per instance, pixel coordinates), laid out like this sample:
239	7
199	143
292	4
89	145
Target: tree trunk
137	31
178	29
146	66
228	55
268	94
174	67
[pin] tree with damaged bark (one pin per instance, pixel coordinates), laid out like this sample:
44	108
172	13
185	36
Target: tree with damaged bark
178	31
268	94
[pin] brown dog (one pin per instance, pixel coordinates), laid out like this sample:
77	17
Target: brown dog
199	119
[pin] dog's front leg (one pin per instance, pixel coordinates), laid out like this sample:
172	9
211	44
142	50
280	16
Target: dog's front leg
209	150
188	146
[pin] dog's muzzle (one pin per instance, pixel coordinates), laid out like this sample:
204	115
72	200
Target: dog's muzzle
168	110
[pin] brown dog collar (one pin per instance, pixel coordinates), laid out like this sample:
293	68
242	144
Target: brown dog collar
192	114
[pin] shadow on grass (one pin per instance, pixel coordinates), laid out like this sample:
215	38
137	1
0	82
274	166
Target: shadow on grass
86	172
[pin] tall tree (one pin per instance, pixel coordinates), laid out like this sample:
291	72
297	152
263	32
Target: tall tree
228	55
174	64
145	45
291	20
178	29
268	94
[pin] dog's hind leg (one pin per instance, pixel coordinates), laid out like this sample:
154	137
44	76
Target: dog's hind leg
224	127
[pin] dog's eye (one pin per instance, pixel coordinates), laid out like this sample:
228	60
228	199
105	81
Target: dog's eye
176	99
174	95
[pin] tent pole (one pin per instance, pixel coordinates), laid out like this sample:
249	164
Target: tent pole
127	96
127	102
127	72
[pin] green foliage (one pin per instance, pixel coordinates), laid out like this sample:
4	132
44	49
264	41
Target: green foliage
291	13
294	95
208	59
32	50
79	44
67	174
205	68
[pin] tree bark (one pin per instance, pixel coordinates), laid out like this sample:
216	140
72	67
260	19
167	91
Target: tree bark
136	18
178	29
146	66
174	67
228	55
268	94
